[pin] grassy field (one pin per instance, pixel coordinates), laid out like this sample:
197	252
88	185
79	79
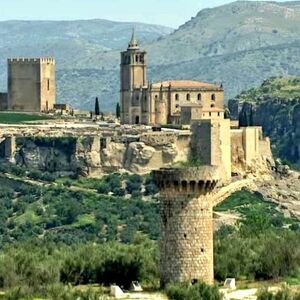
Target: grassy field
11	118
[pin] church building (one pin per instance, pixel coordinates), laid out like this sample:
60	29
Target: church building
166	102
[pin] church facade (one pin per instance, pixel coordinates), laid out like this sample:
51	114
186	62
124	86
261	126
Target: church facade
166	102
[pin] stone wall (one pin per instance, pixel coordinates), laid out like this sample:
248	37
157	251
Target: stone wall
212	143
143	152
250	152
3	101
31	84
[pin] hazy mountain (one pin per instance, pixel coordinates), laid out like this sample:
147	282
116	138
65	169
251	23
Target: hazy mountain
71	42
239	44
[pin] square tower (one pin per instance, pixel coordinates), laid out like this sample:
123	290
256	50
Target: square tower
133	73
31	84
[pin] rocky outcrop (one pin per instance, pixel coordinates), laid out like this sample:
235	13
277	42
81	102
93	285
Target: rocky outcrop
112	157
87	156
284	190
279	115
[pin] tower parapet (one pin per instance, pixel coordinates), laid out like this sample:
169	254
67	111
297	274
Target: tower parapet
22	60
193	180
187	223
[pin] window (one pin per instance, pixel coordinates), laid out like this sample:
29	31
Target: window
212	105
177	106
48	84
156	97
137	58
199	97
176	97
213	97
188	97
210	114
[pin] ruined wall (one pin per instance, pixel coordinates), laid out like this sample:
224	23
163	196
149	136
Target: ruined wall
141	153
237	151
250	152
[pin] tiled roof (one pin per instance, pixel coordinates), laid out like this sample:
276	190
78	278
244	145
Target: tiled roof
185	84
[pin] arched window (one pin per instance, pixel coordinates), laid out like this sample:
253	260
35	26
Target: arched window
156	97
177	97
212	105
213	97
199	97
188	97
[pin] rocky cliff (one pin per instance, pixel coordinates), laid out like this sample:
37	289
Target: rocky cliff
275	106
94	155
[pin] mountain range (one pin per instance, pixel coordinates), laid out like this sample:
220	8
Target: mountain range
238	44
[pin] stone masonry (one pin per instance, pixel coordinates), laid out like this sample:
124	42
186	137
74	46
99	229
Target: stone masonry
31	84
186	210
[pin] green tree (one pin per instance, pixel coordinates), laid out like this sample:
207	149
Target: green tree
97	107
118	110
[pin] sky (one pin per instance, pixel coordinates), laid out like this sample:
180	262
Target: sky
164	12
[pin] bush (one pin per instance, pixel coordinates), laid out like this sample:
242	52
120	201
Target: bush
103	188
198	291
283	294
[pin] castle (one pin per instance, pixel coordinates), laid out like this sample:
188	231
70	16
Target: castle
31	85
167	102
217	148
218	153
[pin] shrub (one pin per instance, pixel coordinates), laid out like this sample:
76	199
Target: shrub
198	291
283	294
103	188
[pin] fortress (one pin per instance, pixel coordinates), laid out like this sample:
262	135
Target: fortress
188	193
31	85
195	167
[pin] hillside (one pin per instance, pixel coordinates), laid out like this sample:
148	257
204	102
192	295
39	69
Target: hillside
71	43
65	235
239	44
275	105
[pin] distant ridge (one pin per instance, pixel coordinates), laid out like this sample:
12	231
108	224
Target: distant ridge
239	44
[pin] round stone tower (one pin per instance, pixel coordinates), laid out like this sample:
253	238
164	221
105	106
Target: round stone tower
187	223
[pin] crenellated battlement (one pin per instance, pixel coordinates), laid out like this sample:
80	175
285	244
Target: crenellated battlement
40	60
200	180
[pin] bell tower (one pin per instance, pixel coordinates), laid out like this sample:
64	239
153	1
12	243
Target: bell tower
133	71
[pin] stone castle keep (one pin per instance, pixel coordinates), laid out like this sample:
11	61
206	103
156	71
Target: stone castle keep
167	102
31	85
